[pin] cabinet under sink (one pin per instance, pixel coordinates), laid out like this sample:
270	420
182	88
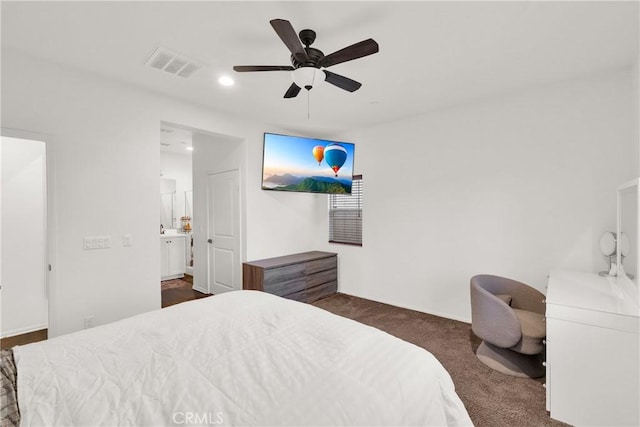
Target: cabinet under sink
172	256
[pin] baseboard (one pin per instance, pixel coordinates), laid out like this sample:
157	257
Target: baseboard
189	271
199	289
171	277
22	331
410	307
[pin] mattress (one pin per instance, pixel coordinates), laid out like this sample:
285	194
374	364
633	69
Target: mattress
240	358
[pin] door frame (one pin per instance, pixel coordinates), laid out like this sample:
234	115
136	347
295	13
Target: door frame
238	160
50	223
239	219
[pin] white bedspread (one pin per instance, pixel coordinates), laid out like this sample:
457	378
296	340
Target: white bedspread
240	358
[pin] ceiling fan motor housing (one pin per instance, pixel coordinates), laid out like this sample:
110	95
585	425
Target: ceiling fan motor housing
307	37
315	56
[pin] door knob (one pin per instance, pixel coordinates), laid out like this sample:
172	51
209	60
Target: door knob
210	241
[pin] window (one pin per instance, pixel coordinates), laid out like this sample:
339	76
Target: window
345	215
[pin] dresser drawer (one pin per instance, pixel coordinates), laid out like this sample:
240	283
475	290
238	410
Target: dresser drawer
322	277
297	296
321	265
287	287
322	291
283	274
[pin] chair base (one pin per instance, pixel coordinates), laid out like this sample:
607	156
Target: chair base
510	362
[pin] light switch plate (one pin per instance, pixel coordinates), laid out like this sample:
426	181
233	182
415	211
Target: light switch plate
96	242
127	240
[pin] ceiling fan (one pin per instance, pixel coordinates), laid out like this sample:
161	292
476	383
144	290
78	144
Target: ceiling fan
306	61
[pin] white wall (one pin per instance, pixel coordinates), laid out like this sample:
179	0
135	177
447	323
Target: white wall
106	169
178	167
635	110
513	186
23	236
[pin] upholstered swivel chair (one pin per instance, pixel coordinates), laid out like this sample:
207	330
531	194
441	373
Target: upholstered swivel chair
509	317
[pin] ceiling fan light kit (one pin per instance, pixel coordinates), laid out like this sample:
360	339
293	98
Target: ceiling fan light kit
307	62
308	77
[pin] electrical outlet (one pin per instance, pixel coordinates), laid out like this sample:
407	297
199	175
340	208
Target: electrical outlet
88	322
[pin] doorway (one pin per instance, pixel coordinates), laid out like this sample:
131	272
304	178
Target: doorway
24	299
176	237
215	267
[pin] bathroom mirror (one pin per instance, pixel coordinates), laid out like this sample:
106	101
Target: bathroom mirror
188	203
167	203
628	224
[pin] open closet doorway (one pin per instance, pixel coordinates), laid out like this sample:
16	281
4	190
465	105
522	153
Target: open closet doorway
213	255
24	300
176	217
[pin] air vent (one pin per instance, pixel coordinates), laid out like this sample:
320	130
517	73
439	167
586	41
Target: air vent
164	144
173	63
166	130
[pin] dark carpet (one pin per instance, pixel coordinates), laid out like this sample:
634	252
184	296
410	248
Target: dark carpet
492	399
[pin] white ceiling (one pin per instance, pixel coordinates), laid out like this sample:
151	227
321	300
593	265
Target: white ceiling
432	54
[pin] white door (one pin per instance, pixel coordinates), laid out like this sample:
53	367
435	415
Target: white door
223	231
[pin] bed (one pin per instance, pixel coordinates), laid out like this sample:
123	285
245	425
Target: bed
240	358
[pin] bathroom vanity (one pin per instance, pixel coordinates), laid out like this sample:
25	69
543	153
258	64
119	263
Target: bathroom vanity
172	256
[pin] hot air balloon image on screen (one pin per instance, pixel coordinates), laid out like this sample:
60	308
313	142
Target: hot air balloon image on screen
294	163
335	155
318	153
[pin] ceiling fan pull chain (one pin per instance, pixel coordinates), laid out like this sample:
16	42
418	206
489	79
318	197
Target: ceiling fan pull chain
308	95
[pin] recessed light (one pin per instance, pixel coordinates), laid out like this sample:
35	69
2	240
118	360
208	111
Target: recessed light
226	81
190	148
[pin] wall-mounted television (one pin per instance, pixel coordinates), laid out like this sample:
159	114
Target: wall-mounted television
293	163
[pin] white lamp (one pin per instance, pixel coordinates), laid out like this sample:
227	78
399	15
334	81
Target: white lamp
308	77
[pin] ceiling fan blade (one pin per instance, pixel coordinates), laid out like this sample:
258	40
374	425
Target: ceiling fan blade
246	68
355	51
341	81
293	91
288	35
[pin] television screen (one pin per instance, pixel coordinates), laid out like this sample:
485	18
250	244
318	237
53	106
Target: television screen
293	163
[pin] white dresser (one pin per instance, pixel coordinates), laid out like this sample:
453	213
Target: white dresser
593	375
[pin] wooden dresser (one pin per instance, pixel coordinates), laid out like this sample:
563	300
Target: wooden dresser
306	277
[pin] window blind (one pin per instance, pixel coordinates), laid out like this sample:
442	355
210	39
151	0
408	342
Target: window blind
345	215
